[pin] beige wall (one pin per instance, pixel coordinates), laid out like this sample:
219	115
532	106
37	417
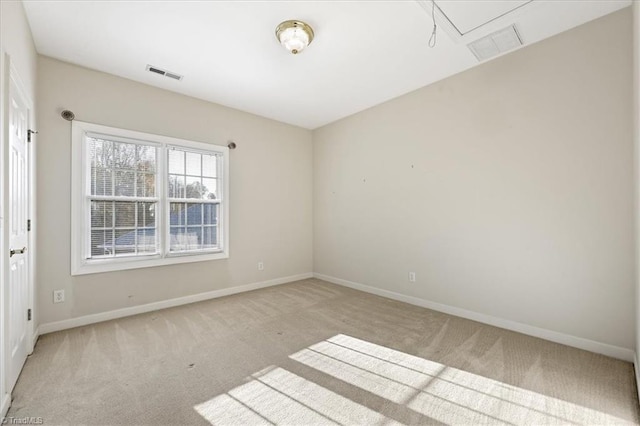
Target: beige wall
508	188
271	201
17	42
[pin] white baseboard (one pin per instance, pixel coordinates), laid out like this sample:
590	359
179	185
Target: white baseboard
554	336
565	339
34	339
134	310
4	405
635	369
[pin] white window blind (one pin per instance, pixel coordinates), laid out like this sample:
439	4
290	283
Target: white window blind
123	201
193	200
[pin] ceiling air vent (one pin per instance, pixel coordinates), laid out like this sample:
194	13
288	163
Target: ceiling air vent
166	73
496	43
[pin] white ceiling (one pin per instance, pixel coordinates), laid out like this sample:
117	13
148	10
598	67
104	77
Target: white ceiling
364	53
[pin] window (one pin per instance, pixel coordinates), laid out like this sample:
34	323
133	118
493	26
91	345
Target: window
141	200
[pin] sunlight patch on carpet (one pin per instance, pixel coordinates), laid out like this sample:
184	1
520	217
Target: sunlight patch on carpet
277	396
439	392
435	390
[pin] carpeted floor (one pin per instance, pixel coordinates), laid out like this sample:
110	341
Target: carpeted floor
311	352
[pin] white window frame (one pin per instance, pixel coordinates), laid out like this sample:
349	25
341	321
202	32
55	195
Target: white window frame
80	223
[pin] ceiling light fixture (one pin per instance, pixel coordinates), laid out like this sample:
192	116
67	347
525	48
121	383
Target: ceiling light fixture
294	35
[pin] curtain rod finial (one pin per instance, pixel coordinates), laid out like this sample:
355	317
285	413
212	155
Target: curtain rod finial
68	115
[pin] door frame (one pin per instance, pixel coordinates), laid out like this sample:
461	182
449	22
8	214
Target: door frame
9	74
5	397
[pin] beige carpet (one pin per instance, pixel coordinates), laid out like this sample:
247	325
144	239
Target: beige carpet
311	353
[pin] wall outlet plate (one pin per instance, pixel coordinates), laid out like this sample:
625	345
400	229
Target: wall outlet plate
58	296
412	277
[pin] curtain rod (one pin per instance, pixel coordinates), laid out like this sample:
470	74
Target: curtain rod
70	116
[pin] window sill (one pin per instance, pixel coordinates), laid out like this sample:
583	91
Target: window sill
111	265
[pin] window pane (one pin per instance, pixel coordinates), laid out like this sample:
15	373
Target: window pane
210	189
125	242
134	231
194	187
176	186
147	242
125	170
114	166
194	233
194	164
101	243
146	215
177	214
96	150
209	165
193	238
194	214
101	214
146	158
193	225
124	183
125	214
210	237
101	166
181	239
101	180
124	155
101	152
210	216
135	241
176	162
146	185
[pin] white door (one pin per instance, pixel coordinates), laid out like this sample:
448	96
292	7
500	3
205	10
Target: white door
18	266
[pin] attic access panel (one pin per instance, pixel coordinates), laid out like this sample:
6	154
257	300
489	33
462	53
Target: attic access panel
468	15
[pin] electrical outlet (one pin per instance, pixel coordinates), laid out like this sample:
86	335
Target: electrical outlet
58	296
260	266
412	277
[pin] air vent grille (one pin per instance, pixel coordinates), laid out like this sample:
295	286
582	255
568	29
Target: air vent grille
172	75
166	73
496	43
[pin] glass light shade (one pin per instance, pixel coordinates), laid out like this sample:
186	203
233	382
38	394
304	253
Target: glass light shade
295	36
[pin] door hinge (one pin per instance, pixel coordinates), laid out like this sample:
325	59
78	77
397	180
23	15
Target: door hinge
29	133
28	314
28	225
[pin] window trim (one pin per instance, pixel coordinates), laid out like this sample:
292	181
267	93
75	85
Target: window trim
79	186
